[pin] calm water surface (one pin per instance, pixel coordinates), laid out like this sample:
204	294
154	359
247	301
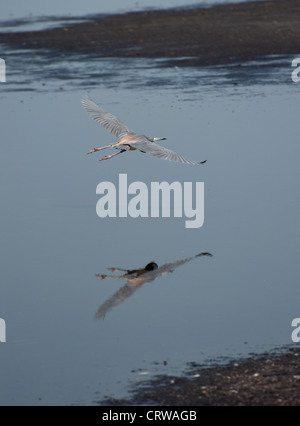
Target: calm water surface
244	121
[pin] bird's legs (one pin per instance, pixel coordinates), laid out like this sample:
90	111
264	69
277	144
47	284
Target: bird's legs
113	155
118	269
99	149
117	277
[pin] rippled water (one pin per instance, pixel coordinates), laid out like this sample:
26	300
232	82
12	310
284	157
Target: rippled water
36	14
243	119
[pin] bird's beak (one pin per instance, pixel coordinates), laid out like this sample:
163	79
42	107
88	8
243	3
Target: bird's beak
157	139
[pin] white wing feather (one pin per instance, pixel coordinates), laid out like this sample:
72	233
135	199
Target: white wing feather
106	119
161	152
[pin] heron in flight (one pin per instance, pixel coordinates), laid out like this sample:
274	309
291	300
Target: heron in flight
128	140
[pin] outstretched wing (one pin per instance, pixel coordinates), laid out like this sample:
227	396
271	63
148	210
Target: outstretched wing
106	119
122	294
161	152
169	267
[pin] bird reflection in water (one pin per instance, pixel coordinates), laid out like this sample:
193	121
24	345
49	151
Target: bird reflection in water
136	278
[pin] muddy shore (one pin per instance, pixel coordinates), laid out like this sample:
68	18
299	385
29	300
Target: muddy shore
202	36
265	380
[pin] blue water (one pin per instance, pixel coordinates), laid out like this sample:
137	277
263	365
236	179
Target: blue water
14	9
244	121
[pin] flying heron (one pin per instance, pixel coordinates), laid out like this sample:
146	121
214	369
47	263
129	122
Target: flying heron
128	140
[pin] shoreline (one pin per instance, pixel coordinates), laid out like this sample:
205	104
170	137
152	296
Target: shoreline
190	37
269	379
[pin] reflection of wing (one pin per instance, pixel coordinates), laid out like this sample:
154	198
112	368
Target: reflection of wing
168	267
126	291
